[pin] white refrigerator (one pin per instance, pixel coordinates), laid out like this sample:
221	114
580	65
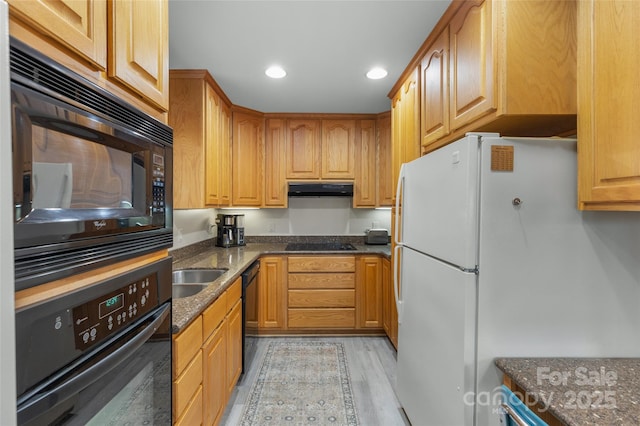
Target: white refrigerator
496	261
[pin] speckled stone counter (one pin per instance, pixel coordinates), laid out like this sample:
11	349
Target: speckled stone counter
236	260
580	391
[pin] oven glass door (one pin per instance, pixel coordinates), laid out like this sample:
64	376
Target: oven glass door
129	383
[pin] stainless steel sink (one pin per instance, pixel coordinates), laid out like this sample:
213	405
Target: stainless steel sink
197	276
186	290
187	282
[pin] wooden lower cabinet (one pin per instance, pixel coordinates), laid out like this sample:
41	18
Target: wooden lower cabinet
271	293
207	361
234	347
192	414
369	292
322	318
389	311
214	381
321	292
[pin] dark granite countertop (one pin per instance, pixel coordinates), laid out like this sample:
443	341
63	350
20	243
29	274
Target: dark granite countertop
581	391
236	259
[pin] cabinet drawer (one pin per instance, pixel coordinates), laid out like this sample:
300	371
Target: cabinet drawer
322	263
185	346
185	386
193	413
213	315
322	298
322	318
322	280
234	293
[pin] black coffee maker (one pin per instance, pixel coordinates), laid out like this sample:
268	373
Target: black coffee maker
230	230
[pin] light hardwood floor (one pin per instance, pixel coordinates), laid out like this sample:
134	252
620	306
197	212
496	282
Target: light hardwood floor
372	367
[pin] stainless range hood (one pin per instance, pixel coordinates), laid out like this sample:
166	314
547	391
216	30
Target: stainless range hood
320	189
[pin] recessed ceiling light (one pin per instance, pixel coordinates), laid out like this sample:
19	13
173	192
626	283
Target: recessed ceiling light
377	73
275	71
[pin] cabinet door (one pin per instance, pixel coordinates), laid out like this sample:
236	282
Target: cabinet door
396	140
271	293
234	346
369	292
405	125
338	149
608	93
224	129
275	184
389	312
386	190
214	381
212	143
248	160
303	149
187	118
471	73
434	96
139	48
365	181
79	25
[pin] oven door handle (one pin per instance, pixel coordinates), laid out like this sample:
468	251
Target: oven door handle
42	402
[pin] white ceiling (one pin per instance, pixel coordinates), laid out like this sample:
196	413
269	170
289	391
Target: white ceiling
325	46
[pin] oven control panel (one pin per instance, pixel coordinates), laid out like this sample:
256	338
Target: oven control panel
99	318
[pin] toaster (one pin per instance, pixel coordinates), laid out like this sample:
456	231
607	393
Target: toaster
376	236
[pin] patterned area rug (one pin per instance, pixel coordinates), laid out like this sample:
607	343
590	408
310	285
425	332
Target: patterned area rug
302	383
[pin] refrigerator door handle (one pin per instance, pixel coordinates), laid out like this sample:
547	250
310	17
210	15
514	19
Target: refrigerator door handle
397	280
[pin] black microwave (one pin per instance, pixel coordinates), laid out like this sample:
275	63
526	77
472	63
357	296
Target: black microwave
92	175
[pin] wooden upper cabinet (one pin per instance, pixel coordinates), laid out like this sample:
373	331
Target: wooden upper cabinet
608	92
224	147
405	125
303	149
499	66
434	97
218	151
187	117
213	162
385	189
80	26
201	122
471	62
139	48
366	165
338	149
247	159
275	184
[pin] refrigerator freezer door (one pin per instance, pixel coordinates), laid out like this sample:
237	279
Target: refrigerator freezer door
439	203
436	342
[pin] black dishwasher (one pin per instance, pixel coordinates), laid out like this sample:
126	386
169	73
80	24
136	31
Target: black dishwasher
249	314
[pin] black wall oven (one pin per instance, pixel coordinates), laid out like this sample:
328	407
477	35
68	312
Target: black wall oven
92	174
100	355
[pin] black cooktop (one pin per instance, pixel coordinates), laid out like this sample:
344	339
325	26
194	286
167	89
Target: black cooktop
319	246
